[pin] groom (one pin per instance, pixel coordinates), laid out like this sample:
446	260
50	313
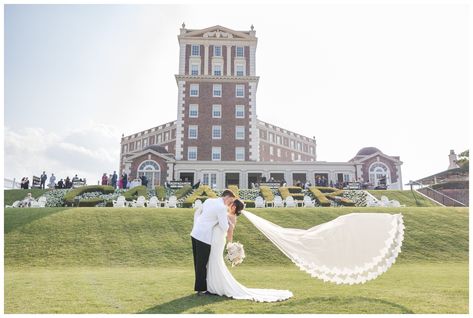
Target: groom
212	213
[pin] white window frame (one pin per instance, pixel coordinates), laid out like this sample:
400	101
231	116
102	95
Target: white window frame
191	150
194	88
214	129
214	69
240	151
278	152
217	108
242	70
215	50
239	88
197	69
216	150
239	108
192	50
192	128
215	89
194	108
240	132
242	51
271	150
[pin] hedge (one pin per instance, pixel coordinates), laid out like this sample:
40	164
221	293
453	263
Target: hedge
135	192
202	193
266	193
69	198
319	196
337	197
286	191
161	192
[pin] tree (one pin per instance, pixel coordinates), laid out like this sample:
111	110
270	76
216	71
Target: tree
464	160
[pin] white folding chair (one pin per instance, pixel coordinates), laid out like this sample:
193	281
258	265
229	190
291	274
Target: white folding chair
120	202
172	202
259	202
278	202
42	202
140	202
290	202
153	202
308	202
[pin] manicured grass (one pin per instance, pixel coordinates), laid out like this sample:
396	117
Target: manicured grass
13	195
404	197
105	260
405	288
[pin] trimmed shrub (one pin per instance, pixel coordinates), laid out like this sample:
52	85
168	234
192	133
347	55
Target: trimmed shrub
69	198
135	192
202	193
286	191
161	192
326	189
266	193
319	196
182	192
337	197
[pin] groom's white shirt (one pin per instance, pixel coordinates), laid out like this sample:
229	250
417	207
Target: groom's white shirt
214	211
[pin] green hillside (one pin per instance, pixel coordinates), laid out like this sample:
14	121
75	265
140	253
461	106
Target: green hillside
150	237
405	197
13	195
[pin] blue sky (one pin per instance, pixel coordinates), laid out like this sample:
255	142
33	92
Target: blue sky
389	76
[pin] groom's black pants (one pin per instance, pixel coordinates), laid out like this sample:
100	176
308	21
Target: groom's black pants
201	253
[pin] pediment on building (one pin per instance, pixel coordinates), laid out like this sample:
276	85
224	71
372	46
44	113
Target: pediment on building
376	154
167	157
217	32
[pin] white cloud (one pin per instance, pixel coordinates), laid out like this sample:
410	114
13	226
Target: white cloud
87	151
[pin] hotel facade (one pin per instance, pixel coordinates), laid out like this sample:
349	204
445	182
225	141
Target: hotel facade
217	138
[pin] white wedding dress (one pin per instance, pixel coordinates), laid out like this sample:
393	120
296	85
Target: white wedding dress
221	282
351	249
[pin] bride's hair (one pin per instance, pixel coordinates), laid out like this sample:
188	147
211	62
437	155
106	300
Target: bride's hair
239	205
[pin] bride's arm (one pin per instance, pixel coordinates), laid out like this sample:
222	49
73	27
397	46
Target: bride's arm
231	228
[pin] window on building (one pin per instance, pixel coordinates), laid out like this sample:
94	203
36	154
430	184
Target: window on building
160	138
194	90
195	69
193	132
293	144
138	144
145	142
217	69
217	50
298	156
217	90
240	153
240	132
271	150
292	156
240	52
299	146
192	153
240	70
125	149
216	153
216	111
195	50
216	132
240	90
193	110
278	140
278	152
210	179
166	135
240	111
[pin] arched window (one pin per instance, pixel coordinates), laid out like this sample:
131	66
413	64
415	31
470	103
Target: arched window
152	171
379	174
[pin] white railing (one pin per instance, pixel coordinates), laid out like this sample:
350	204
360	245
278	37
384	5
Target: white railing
10	183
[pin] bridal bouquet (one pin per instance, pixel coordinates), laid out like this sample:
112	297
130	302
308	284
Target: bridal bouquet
235	253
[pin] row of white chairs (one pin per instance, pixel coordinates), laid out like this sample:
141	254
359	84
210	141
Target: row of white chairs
384	202
289	202
141	202
40	203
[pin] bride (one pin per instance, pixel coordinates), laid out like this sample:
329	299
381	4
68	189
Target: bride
351	249
219	279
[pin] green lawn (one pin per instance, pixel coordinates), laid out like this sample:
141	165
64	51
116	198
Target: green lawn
404	197
11	196
105	260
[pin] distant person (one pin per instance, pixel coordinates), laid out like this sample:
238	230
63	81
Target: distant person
75	179
60	184
52	181
125	180
67	184
43	179
114	179
26	202
104	179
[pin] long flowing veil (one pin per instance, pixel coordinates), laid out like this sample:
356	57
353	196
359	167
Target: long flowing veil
351	249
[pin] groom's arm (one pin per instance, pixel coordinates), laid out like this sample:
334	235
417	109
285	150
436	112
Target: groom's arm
223	220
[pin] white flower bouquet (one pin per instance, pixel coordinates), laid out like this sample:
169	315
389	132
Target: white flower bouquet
235	253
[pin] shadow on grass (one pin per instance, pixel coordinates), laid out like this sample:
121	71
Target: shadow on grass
18	217
352	305
183	304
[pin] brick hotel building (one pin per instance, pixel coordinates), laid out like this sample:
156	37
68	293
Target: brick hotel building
217	137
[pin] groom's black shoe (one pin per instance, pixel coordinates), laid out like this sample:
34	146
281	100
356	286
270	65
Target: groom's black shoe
205	293
209	294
